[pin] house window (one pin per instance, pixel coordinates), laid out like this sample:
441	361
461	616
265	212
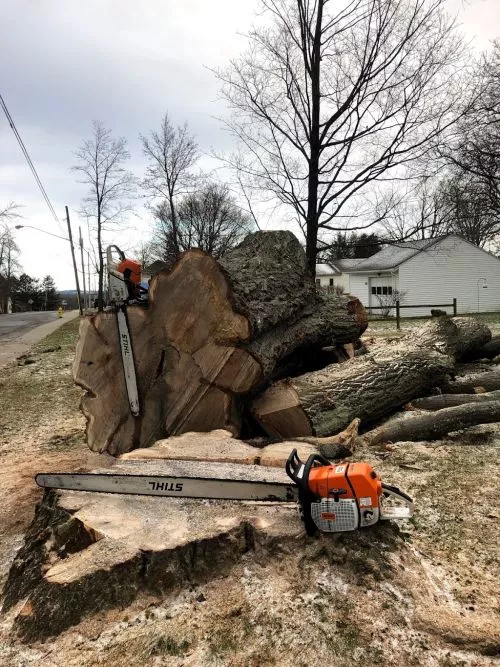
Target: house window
389	290
379	289
374	290
331	282
318	282
384	290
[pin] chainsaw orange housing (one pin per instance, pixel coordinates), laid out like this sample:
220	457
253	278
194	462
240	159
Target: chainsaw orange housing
132	269
347	481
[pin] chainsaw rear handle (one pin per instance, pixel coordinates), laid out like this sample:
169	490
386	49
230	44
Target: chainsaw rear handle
299	471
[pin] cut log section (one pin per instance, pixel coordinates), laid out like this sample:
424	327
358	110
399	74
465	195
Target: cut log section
433	426
369	387
213	332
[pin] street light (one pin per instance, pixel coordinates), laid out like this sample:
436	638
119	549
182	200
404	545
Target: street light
485	286
64	238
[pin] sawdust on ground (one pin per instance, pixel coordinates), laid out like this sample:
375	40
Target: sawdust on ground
420	593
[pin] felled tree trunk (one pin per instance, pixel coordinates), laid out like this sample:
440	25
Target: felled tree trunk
478	384
491	349
433	426
441	401
212	333
369	387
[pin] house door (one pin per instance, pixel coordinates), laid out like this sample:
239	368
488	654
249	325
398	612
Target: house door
381	291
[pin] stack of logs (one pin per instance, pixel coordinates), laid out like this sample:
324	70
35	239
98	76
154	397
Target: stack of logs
250	345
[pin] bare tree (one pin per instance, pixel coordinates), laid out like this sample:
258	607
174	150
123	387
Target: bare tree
171	153
9	212
421	213
208	219
9	264
327	100
474	151
101	161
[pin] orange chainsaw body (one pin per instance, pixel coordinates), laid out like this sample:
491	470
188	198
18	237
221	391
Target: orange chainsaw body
347	481
131	269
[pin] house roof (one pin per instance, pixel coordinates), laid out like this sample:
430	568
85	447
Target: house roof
346	264
324	269
388	258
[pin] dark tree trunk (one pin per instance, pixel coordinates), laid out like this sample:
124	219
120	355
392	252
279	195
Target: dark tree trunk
441	401
477	384
368	387
433	426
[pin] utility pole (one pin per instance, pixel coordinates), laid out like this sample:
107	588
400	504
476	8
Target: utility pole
74	262
83	268
89	297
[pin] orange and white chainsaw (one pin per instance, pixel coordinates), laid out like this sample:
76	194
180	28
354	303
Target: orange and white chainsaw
332	498
124	288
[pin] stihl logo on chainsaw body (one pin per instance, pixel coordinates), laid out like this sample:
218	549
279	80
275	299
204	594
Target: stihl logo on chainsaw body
165	486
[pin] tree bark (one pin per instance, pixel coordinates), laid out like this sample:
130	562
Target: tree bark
369	387
441	401
212	333
478	384
474	335
491	349
433	426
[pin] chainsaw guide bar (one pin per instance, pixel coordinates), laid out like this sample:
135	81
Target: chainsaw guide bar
171	487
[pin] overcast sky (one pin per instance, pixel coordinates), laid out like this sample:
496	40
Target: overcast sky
64	63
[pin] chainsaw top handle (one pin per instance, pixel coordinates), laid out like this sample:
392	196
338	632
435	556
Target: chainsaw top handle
120	252
299	471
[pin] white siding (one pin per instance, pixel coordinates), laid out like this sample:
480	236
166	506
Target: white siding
343	281
451	268
358	286
324	281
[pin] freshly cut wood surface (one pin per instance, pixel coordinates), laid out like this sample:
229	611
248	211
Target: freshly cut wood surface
433	426
220	447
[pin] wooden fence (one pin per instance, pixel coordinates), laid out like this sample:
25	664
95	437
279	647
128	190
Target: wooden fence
397	306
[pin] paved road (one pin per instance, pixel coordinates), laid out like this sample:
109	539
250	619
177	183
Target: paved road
19	331
16	325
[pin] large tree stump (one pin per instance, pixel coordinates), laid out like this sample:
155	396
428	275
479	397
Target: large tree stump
368	387
88	552
213	333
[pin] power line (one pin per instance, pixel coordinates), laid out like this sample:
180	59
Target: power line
28	159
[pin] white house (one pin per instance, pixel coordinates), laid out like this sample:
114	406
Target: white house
430	271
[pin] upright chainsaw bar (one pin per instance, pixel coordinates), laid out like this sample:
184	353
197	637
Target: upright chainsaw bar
172	487
128	360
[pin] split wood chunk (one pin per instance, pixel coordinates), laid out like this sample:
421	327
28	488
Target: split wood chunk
213	333
220	447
